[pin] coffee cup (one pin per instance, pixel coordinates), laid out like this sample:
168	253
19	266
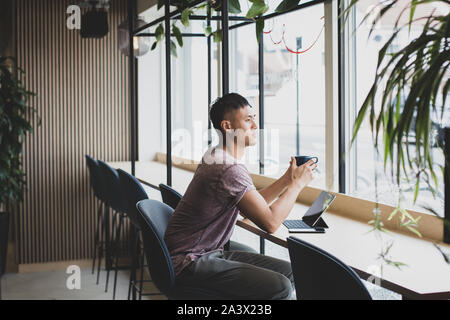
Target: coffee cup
303	159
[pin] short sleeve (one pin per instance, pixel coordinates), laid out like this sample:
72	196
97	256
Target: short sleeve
234	183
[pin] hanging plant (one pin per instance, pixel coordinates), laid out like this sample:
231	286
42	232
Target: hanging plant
255	13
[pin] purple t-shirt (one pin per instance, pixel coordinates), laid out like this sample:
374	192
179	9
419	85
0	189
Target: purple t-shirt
206	215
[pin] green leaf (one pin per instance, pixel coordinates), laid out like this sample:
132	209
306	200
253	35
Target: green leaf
286	5
178	35
173	48
234	6
217	35
393	213
208	30
154	45
411	12
258	8
259	28
185	16
415	231
159	32
202	6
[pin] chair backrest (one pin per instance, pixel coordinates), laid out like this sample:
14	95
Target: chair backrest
169	195
320	276
113	192
92	165
134	192
155	216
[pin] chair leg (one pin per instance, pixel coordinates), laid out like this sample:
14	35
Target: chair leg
134	262
103	243
97	231
109	253
116	252
141	283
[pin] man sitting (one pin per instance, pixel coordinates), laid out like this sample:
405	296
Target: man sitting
221	188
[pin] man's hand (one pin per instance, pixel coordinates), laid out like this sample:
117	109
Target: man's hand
300	175
255	207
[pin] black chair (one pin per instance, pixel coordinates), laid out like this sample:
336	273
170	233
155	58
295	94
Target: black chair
134	192
320	276
171	197
156	215
115	199
97	186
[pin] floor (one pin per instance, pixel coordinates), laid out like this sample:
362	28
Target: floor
60	285
52	285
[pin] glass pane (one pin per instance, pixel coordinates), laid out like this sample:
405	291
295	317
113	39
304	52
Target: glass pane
190	95
244	78
294	101
189	98
367	162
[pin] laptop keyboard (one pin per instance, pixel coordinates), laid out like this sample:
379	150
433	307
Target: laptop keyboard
296	224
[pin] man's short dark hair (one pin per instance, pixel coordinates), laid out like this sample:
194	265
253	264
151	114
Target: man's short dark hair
222	105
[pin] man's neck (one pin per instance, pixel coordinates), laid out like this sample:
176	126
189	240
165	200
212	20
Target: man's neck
234	151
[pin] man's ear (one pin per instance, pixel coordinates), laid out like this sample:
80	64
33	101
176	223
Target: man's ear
225	125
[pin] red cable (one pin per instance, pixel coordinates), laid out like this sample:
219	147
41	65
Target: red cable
274	41
299	52
287	48
267	32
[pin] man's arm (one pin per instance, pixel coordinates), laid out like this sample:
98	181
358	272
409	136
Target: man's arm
254	206
272	191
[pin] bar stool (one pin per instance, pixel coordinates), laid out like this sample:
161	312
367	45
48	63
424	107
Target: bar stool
97	185
115	199
134	192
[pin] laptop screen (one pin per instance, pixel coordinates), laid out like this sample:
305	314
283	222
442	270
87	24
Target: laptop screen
318	207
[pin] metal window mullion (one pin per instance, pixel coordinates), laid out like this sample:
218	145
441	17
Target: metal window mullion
225	49
208	41
446	223
262	245
350	99
261	101
341	100
168	94
131	65
331	95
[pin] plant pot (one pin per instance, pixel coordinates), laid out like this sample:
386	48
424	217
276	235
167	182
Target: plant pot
4	228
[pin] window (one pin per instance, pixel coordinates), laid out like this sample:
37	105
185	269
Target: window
294	101
363	55
294	86
189	87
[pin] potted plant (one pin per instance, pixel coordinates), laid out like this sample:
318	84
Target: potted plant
410	84
15	123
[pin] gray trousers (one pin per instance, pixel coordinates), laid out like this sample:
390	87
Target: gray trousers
241	275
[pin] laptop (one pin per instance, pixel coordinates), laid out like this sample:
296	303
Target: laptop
312	221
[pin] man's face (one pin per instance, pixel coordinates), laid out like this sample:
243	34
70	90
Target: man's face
243	123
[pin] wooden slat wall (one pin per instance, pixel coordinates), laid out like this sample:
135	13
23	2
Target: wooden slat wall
82	100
